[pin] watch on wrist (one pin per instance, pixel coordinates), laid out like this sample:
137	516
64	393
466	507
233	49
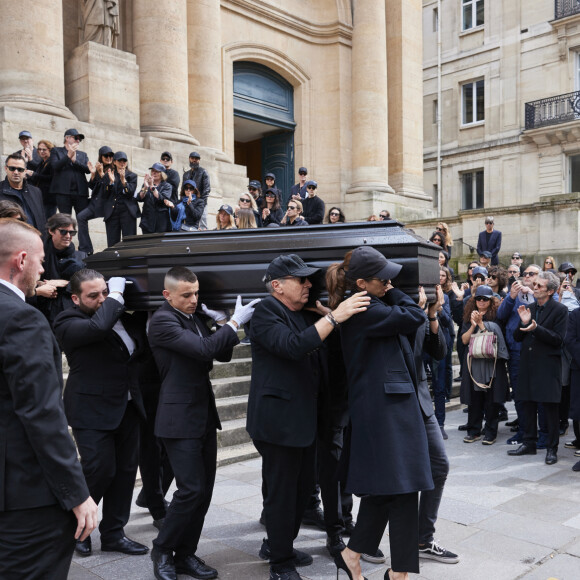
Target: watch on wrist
432	319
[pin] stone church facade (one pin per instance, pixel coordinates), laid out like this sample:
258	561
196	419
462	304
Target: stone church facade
253	85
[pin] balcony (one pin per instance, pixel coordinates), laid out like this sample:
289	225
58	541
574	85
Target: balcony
565	8
553	110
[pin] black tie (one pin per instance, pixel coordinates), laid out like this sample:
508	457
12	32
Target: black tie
539	311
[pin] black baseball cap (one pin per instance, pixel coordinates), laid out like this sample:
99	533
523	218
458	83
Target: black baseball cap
485	254
366	262
567	267
25	135
483	290
120	156
158	167
516	255
105	150
303	170
479	271
195	155
270	175
73	133
311	184
190	182
255	184
227	208
167	154
288	265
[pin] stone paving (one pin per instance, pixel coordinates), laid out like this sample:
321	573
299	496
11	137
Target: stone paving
507	517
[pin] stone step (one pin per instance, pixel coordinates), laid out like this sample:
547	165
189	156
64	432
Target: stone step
231	387
235	453
242	351
233	433
232	408
239	367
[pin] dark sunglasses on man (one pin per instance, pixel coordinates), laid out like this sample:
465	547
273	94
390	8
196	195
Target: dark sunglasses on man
18	169
64	232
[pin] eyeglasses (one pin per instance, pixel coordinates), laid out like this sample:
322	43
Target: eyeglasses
245	200
252	189
104	155
493	277
76	137
311	187
516	257
64	233
18	169
548	262
482	298
292	207
529	274
334	213
165	159
270	195
383	216
438	229
188	188
471	267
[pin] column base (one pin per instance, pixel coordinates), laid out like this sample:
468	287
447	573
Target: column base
37	105
169	133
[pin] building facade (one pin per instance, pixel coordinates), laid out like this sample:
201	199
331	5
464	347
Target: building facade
253	85
502	122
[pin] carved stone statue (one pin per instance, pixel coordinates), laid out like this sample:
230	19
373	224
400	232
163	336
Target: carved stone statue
100	21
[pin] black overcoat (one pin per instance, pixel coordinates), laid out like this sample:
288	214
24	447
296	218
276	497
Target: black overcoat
65	172
116	192
155	217
540	377
388	445
572	344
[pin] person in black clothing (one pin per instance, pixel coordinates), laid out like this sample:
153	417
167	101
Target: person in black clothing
28	152
246	201
121	208
270	183
335	216
186	215
200	176
292	215
41	177
154	192
17	189
298	190
97	185
272	212
255	189
69	167
172	175
313	206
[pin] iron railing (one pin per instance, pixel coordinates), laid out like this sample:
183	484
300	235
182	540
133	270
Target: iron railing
565	8
553	110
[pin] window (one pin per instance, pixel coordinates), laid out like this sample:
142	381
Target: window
472	189
435	20
574	164
435	111
473	102
472	12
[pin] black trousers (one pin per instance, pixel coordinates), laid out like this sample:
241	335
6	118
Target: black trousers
482	401
120	222
67	202
109	462
552	411
36	544
194	465
401	513
289	474
83	217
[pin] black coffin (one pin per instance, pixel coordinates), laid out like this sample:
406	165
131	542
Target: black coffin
232	262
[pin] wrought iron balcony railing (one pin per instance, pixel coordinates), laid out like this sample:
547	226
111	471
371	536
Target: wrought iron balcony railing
565	8
553	110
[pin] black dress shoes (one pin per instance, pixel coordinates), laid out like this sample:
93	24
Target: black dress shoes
125	546
195	567
163	565
84	548
551	457
300	558
335	545
464	427
523	449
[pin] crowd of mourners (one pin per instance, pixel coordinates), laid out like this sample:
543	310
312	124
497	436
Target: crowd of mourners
138	391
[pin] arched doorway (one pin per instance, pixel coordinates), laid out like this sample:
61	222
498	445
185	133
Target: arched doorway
264	124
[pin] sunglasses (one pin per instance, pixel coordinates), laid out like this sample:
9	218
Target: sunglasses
548	262
383	282
18	169
270	195
493	277
311	187
302	173
245	200
292	207
529	274
382	216
188	188
482	298
64	233
105	155
438	229
516	257
252	189
334	213
165	159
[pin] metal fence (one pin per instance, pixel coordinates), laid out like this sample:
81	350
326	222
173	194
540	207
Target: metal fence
553	110
565	8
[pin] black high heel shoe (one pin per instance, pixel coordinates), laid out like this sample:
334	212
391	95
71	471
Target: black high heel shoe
341	565
387	575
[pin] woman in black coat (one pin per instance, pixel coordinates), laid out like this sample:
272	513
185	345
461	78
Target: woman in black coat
572	344
155	191
41	177
479	315
272	213
387	459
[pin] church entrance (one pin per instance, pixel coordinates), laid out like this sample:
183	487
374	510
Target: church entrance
264	124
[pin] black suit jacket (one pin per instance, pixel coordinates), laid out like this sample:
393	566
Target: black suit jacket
118	193
38	459
33	197
102	373
286	375
66	173
494	245
540	377
184	359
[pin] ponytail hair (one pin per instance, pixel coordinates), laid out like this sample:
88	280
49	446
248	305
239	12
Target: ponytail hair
337	283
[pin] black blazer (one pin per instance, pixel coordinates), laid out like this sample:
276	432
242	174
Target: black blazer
494	245
184	359
38	459
33	197
286	375
65	172
42	178
102	373
540	377
118	193
173	180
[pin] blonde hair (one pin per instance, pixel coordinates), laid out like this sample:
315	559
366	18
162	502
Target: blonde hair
298	205
446	233
246	219
252	200
232	224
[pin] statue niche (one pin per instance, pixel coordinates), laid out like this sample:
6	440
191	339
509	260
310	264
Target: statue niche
100	21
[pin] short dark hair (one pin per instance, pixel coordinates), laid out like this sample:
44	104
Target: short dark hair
16	157
60	220
80	276
179	274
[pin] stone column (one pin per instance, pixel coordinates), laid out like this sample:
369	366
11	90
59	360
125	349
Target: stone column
160	44
204	35
370	138
405	94
31	57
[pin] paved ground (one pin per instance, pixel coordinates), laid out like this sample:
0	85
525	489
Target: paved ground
508	518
